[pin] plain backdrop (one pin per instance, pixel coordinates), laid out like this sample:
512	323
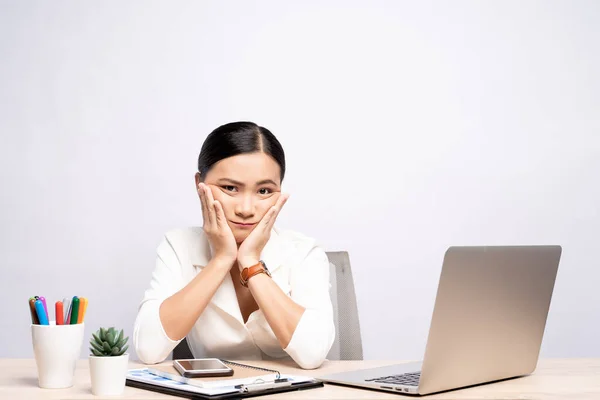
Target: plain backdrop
408	127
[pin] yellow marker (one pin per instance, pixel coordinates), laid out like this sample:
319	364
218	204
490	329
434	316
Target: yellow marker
82	309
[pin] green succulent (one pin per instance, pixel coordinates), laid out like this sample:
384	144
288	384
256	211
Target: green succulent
108	342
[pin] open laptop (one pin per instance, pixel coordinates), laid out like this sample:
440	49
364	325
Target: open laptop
487	325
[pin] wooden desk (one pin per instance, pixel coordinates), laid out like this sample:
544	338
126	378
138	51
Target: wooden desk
553	379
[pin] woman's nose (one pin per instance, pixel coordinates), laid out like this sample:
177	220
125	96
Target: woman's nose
245	207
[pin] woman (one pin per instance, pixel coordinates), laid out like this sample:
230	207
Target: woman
237	287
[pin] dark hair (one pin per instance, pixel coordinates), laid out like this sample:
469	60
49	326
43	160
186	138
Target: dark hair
239	138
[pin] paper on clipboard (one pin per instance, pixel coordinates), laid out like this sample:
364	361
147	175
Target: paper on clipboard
242	376
144	376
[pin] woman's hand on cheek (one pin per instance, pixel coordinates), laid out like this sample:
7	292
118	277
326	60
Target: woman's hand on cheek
251	248
218	232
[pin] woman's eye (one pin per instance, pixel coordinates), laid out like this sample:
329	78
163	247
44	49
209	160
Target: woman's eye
229	188
264	191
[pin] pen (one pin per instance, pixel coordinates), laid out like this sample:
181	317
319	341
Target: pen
60	315
82	307
66	309
43	300
34	318
74	310
41	313
256	387
85	306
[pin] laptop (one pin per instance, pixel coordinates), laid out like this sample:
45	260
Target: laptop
487	325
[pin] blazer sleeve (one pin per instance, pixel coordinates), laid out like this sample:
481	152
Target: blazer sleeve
315	332
150	340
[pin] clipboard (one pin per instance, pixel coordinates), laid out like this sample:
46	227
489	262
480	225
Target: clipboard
243	374
241	393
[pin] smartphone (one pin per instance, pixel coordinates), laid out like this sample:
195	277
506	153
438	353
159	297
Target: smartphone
201	367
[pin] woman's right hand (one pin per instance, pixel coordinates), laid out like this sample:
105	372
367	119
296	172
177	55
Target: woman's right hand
218	232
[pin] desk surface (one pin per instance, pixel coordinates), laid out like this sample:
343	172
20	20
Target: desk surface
553	379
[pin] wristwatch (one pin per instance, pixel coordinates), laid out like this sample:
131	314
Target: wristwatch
247	273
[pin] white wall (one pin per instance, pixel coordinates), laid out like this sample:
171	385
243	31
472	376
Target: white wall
408	127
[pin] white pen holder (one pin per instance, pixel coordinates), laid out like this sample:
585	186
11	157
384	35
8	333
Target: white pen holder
57	349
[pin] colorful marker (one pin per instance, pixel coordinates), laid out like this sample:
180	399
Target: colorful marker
74	310
66	309
43	299
34	318
41	313
60	314
82	307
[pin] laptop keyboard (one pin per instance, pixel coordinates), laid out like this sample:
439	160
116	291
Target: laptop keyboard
408	379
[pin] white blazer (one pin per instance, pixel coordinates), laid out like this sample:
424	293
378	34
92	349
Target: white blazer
298	266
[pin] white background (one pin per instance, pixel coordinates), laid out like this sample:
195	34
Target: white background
408	127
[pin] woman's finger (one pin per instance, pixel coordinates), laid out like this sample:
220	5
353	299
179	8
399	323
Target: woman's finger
220	214
212	217
274	211
203	203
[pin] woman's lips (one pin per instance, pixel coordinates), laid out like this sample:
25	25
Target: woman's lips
242	225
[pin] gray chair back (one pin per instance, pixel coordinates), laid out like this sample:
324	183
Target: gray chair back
348	343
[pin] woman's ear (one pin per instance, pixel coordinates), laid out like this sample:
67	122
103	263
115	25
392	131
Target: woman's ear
198	179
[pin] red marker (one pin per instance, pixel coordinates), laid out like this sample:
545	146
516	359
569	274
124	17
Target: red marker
60	315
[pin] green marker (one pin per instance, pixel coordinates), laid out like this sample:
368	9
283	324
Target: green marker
74	310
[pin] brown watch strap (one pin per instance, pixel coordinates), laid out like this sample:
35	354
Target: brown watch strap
249	272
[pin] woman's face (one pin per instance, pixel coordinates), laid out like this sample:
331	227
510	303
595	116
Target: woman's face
246	185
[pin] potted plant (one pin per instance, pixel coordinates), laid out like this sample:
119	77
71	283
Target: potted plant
108	362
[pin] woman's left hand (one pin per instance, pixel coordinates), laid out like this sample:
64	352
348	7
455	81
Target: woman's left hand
251	248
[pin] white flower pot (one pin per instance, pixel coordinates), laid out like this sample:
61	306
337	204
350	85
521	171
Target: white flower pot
108	374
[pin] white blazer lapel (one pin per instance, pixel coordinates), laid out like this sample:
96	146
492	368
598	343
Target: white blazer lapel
224	298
